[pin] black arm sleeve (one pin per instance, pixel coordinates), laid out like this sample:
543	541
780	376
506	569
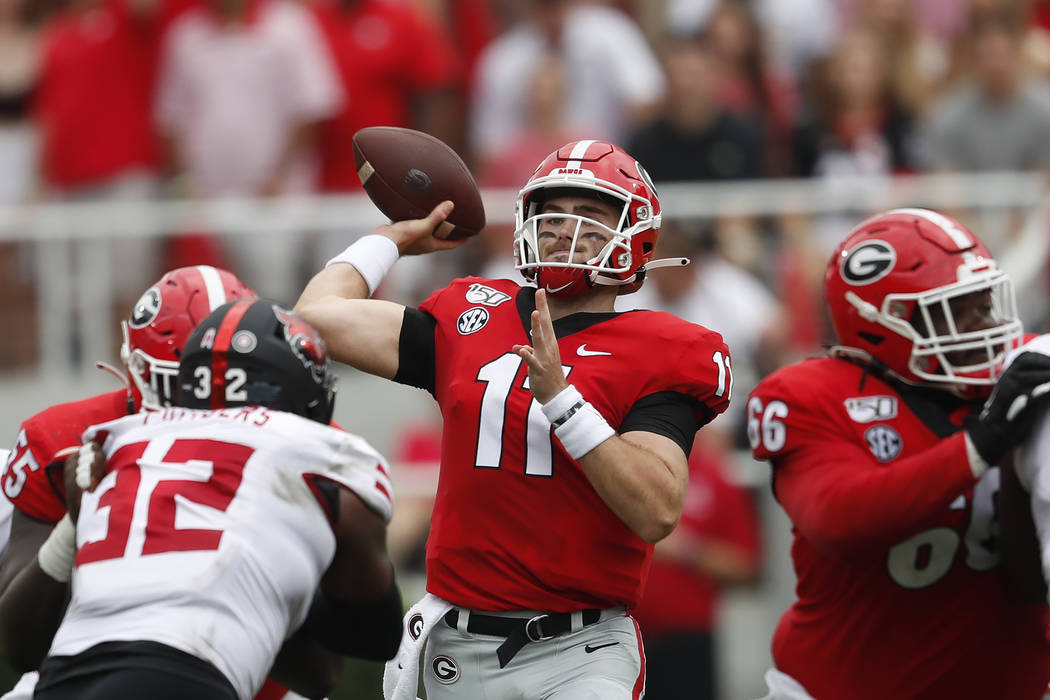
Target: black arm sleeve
416	350
368	629
667	413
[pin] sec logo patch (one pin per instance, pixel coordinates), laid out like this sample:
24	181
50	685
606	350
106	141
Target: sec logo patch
885	443
445	669
472	320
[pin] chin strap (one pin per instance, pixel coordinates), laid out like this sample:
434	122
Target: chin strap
123	377
640	273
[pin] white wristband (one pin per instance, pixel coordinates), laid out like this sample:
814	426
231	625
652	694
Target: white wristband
560	404
56	555
372	255
578	425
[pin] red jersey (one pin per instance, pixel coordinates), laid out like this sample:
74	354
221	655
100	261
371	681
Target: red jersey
899	589
516	523
48	437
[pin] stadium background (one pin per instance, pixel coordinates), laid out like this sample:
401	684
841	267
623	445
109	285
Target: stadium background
72	254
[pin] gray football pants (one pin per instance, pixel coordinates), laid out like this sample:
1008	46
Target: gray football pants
602	661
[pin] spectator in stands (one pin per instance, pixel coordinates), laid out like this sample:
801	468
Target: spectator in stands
93	107
918	60
716	545
243	87
386	84
854	123
998	118
752	84
19	53
616	81
694	138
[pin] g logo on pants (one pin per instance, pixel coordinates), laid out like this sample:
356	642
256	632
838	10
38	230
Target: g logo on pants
445	669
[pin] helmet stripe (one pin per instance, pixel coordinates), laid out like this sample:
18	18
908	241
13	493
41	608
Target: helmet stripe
213	286
942	222
577	154
220	349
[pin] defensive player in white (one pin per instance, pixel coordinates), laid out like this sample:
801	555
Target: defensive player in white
1032	466
201	548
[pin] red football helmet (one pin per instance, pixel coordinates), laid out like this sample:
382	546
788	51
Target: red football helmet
919	292
606	172
162	320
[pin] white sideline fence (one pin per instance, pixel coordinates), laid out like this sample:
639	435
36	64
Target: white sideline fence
990	200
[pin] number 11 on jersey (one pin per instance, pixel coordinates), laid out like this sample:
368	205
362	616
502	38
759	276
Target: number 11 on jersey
499	376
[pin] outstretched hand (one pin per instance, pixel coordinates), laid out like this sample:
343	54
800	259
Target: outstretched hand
546	377
417	236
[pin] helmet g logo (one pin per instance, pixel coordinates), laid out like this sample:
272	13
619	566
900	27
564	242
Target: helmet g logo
868	262
146	309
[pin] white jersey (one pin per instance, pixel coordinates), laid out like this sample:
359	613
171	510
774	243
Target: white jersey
1032	463
6	509
209	534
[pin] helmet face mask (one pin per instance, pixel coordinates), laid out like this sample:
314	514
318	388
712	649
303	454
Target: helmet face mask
591	170
162	320
920	294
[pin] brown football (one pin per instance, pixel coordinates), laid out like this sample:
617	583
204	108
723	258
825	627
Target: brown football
406	173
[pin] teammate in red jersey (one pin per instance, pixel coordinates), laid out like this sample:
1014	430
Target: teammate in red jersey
563	460
154	333
885	462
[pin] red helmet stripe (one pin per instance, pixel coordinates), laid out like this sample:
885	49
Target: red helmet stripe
221	348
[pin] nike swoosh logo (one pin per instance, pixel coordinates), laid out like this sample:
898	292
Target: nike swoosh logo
590	650
582	351
558	289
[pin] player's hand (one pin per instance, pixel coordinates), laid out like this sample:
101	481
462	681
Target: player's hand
546	378
1007	414
82	471
416	236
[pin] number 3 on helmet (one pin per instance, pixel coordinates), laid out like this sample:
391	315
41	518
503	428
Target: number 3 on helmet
919	293
255	353
163	319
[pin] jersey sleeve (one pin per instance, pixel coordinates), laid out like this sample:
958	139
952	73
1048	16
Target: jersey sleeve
354	464
837	494
695	363
25	480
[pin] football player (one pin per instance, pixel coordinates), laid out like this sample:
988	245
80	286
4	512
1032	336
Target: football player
209	526
566	428
154	333
885	461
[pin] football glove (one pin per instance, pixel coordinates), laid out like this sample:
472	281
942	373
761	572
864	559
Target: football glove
1007	415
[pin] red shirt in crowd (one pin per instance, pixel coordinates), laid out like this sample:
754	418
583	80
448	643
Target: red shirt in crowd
95	97
386	54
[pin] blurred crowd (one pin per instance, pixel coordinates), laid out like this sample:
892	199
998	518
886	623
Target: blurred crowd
104	100
131	99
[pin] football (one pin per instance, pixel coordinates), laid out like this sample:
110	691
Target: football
406	173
